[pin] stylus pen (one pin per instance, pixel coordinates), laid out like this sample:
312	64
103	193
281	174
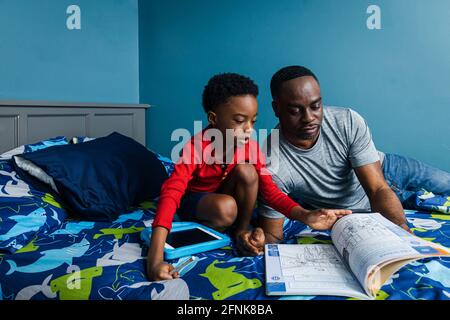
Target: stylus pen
184	264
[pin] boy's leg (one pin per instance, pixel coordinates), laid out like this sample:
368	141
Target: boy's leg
217	211
233	204
406	176
242	185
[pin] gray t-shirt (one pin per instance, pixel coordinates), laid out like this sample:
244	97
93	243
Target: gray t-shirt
323	176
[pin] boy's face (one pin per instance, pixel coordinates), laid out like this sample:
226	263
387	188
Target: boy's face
239	113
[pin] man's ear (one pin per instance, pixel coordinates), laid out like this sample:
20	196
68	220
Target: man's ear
276	108
212	118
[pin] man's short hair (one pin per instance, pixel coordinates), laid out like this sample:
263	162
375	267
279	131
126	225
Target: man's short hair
286	74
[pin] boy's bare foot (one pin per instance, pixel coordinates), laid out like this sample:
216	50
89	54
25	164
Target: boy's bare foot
250	242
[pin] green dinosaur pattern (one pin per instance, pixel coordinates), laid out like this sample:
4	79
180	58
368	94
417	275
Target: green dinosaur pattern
118	233
441	216
418	230
69	289
227	282
30	247
381	295
50	200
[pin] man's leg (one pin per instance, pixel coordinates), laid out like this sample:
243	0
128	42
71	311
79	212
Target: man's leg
406	176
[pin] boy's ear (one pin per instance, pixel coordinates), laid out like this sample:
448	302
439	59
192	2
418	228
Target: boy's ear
276	108
212	118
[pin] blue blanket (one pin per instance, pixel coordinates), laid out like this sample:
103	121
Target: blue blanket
71	259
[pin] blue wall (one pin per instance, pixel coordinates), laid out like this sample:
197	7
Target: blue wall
398	78
42	60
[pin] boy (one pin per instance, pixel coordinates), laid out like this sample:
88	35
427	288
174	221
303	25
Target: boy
205	187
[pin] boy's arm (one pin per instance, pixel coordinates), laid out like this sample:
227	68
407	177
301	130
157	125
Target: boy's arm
157	269
174	188
171	193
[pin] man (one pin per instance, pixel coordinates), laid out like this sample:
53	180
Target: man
327	159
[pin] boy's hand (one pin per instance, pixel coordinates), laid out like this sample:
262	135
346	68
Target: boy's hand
162	271
250	242
320	219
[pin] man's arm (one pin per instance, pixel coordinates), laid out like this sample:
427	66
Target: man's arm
382	198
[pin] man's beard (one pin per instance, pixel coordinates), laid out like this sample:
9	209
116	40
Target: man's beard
305	136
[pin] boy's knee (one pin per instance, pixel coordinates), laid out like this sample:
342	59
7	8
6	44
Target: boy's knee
226	212
246	173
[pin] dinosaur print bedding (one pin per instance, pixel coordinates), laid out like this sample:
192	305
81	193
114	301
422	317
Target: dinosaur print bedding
48	255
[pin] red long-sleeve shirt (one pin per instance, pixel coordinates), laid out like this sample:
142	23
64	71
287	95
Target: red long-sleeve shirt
196	171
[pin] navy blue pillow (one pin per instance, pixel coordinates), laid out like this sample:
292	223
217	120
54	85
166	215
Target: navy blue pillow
100	179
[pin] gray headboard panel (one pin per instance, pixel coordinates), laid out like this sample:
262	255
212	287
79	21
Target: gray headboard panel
23	122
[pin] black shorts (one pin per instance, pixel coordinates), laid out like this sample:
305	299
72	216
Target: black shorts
188	205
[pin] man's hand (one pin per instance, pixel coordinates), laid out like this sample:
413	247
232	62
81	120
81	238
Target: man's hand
162	271
320	219
250	242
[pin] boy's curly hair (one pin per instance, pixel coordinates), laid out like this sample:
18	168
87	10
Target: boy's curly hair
223	86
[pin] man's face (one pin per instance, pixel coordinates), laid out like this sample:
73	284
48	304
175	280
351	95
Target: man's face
299	108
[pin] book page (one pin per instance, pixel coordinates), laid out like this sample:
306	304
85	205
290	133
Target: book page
314	269
366	242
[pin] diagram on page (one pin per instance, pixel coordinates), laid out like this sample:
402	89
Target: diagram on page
315	267
354	231
310	259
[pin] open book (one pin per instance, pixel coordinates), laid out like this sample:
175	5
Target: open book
367	250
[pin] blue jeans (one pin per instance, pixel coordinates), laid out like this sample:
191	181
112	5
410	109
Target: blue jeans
406	176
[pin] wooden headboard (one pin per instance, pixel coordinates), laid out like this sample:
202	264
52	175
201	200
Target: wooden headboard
23	122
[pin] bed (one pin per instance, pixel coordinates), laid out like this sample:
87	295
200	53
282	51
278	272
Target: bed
72	259
25	122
